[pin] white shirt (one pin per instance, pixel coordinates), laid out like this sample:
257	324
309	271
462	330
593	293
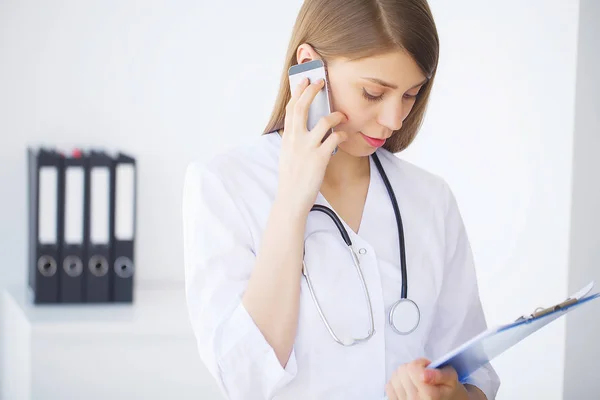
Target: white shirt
227	201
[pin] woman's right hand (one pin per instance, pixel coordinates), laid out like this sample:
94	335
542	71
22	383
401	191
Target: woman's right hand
414	380
303	159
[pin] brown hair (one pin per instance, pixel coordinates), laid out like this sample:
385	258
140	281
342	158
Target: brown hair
357	29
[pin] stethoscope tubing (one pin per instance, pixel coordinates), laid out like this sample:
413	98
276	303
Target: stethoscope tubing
346	237
398	216
392	196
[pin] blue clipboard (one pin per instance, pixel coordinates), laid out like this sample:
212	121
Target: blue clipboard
484	347
481	349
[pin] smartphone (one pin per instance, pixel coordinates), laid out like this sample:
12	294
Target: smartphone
321	105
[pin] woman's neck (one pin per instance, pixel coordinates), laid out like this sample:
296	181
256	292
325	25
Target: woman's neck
346	170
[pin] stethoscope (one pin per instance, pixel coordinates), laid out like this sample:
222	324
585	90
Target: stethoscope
404	315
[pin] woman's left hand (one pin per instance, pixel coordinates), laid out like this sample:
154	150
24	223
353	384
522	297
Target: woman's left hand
413	381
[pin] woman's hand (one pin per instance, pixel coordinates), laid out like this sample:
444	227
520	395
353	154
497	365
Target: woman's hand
413	381
303	159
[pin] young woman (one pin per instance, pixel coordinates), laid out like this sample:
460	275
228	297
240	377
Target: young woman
364	323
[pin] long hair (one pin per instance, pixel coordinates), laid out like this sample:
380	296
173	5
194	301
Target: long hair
357	29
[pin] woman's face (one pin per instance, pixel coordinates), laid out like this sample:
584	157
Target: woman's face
376	94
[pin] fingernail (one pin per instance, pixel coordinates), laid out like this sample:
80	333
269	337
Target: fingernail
426	376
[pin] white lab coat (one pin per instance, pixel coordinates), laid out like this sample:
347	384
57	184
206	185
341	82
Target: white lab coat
226	204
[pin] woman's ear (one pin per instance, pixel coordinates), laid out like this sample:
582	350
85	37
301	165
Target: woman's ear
306	53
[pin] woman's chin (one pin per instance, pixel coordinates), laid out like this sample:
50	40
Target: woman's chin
355	148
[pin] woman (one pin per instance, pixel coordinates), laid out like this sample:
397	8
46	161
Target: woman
249	229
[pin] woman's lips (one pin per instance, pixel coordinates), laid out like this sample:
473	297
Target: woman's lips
372	141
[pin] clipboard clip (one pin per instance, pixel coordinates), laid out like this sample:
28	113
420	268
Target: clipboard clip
540	311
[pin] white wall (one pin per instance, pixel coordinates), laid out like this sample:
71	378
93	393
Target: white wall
158	79
500	129
582	359
172	81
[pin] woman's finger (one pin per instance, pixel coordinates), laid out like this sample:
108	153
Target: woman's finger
390	392
409	387
325	124
397	384
417	372
444	376
330	144
289	109
302	106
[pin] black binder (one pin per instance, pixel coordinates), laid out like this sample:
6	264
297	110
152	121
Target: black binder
45	181
71	266
123	189
97	236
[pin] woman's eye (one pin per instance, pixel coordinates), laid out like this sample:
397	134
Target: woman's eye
410	96
371	97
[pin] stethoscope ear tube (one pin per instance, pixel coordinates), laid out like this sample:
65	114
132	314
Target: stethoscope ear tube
336	220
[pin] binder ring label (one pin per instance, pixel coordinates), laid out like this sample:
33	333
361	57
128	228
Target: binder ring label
73	266
98	265
123	267
47	266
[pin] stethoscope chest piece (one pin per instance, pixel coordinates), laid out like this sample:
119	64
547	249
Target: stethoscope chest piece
404	316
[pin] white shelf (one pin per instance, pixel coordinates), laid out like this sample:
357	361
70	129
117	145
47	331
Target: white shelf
143	350
155	311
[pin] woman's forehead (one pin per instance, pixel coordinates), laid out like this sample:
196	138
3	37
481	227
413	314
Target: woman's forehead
398	69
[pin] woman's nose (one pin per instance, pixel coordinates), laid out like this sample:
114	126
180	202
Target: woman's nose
392	115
